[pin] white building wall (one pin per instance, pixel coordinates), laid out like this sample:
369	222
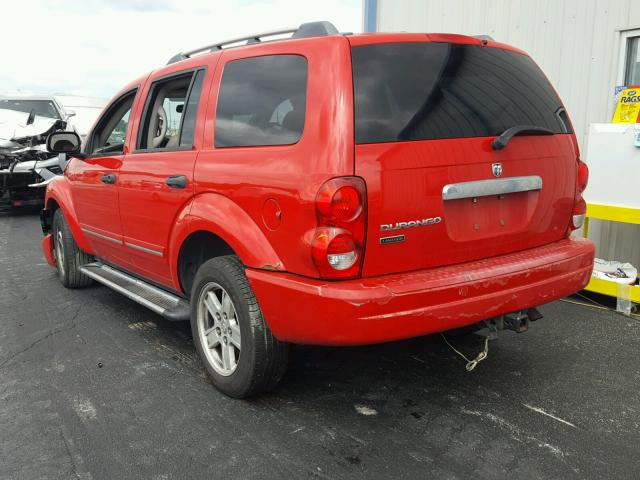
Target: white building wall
575	42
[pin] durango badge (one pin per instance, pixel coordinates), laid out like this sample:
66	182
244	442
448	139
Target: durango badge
385	227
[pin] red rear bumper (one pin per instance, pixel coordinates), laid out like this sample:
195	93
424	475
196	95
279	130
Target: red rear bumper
392	307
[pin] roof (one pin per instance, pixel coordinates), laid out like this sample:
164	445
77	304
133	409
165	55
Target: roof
324	29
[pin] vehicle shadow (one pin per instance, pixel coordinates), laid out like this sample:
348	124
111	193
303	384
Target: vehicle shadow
419	368
423	370
423	367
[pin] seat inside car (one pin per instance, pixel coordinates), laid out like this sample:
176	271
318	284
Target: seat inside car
158	129
168	105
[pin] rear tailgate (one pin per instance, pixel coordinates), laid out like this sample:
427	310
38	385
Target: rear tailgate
425	116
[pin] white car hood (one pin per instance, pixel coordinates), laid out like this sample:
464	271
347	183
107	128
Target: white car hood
13	125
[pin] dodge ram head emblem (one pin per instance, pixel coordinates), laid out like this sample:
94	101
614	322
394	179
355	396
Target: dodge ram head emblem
496	168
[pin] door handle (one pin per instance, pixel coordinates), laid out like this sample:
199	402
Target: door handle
176	181
109	178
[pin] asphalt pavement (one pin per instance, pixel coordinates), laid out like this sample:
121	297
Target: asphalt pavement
93	386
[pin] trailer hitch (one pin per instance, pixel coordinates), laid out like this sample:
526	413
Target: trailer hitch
515	321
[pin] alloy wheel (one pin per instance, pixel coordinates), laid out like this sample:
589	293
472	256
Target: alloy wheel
219	329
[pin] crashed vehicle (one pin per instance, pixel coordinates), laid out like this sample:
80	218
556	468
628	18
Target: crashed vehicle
326	189
25	165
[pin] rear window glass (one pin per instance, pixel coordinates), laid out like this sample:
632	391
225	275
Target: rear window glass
262	101
423	91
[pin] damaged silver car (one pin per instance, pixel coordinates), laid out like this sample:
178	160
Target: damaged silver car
25	165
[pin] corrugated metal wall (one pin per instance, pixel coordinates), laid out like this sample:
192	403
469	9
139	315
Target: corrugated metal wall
577	44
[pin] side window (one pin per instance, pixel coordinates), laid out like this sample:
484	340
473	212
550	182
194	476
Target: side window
170	112
110	132
189	122
117	135
262	101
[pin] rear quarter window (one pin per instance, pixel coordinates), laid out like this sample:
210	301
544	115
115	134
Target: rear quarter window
424	91
262	101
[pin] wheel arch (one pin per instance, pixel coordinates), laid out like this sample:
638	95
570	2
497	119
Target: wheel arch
197	248
218	226
58	196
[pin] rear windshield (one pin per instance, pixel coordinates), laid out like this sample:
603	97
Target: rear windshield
424	91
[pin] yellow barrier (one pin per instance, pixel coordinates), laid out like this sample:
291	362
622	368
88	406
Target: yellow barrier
612	214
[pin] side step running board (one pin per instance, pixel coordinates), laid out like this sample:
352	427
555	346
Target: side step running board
168	305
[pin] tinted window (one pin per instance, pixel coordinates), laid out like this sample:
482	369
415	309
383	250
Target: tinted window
191	111
262	101
420	91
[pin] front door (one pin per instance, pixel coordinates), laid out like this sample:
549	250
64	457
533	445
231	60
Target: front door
155	181
94	180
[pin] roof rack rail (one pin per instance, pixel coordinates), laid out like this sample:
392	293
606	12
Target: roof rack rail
311	29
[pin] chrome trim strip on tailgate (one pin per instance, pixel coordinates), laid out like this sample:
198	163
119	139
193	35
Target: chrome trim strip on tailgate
483	188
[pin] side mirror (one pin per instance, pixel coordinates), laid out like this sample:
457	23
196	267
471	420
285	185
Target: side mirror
70	113
64	142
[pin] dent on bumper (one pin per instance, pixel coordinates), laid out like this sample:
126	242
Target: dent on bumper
392	307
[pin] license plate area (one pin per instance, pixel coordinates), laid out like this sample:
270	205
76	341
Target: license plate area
485	217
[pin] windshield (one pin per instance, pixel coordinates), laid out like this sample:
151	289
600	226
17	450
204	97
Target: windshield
423	91
41	108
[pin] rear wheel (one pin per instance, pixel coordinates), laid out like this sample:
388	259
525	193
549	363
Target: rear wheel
241	355
69	258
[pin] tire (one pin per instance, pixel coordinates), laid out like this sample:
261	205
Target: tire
69	258
239	335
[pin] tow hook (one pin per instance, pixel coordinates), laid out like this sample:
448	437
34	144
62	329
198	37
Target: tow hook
516	321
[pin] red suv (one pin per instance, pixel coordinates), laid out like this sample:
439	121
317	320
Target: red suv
325	189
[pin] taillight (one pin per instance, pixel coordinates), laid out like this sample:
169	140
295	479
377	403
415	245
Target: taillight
337	245
583	176
579	213
579	205
343	204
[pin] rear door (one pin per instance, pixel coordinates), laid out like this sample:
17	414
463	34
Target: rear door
156	179
425	116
